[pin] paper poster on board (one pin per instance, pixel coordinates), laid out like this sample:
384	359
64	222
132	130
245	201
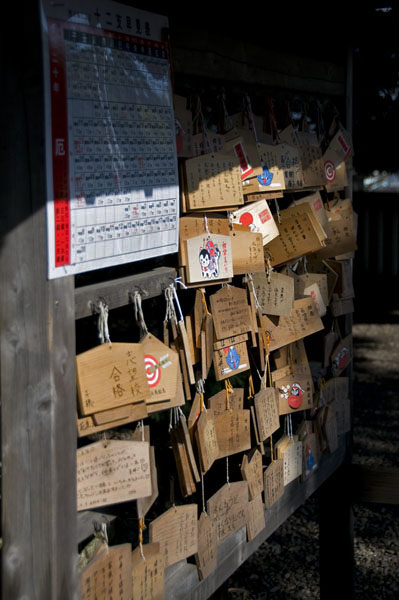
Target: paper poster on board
112	180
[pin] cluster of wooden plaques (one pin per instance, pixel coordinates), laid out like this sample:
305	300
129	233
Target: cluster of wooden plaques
293	275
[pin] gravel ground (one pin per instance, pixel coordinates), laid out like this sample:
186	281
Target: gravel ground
286	566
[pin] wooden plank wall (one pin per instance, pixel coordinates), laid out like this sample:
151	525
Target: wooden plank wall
37	350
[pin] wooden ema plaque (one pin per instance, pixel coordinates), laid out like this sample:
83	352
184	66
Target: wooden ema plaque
218	402
252	472
183	464
295	392
233	432
161	368
304	321
144	504
247	252
310	455
230	361
230	310
303	282
209	258
213	181
207	555
256	517
176	530
108	575
191	227
108	419
277	296
258	216
267	415
112	471
148	575
297	237
290	450
112	376
333	389
229	508
342	355
274	482
207	442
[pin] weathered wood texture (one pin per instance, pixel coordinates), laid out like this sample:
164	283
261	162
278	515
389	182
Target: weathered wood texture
374	485
182	581
117	292
37	343
206	54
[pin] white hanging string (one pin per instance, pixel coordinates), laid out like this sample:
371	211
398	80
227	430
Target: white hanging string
103	331
206	224
138	313
227	471
181	318
231	222
141	425
250	281
170	419
170	309
305	262
179	281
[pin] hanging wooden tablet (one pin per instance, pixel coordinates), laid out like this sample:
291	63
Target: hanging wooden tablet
341	236
297	236
112	471
342	355
291	453
161	367
209	258
258	216
194	416
273	173
176	531
343	412
341	306
267	415
108	419
256	517
207	328
230	341
230	312
295	391
274	482
233	432
112	376
304	321
213	181
218	402
184	473
207	555
229	508
276	297
108	575
144	504
314	291
252	472
191	227
315	265
317	206
303	282
333	389
247	252
194	351
207	443
310	455
231	361
334	170
148	574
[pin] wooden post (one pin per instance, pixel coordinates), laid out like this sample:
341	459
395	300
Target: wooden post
38	393
336	537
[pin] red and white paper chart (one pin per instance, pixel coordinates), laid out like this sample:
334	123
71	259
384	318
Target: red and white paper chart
112	174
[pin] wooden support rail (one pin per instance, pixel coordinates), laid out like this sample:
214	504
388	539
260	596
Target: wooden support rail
116	292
